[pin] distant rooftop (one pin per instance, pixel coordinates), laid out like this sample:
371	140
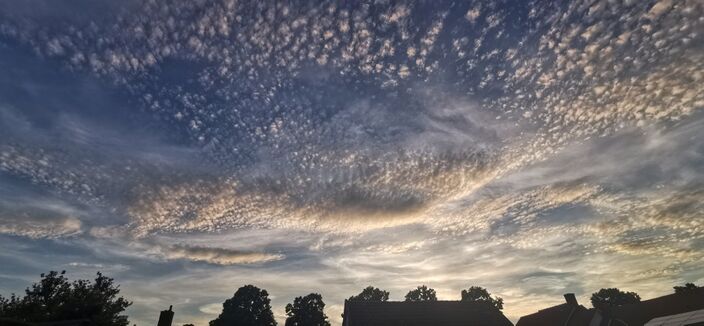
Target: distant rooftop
668	310
644	311
446	313
569	313
685	319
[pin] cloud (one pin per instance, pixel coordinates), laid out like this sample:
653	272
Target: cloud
219	256
39	218
213	249
327	146
105	268
291	157
40	227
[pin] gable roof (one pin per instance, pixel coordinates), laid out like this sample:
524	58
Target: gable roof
642	312
446	313
563	314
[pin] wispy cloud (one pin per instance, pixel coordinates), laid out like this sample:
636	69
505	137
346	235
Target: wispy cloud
47	227
218	256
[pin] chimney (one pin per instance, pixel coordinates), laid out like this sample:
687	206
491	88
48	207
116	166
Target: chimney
570	299
166	317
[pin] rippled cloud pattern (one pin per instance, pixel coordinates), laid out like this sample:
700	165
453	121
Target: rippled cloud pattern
531	147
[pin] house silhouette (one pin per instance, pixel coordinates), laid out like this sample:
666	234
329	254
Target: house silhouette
422	313
571	313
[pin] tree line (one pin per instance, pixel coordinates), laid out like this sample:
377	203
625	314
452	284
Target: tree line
55	298
250	305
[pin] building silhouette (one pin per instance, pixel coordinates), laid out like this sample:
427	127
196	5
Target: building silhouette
422	313
641	313
166	317
692	318
570	313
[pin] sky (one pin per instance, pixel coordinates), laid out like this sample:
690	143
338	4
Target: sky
187	148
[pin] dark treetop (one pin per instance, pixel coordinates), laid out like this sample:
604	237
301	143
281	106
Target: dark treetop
54	298
249	306
307	311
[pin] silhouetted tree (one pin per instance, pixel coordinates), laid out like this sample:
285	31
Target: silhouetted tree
372	294
612	297
480	294
687	288
422	293
307	311
54	298
249	306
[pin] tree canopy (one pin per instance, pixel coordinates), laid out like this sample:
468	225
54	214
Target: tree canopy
480	294
421	293
249	306
370	294
307	311
612	297
54	298
688	287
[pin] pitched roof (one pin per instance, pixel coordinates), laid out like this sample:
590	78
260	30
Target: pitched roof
446	313
642	312
687	318
563	314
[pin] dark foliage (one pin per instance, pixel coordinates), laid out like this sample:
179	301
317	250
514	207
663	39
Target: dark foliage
480	294
54	298
307	311
422	293
687	288
249	306
371	294
613	297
